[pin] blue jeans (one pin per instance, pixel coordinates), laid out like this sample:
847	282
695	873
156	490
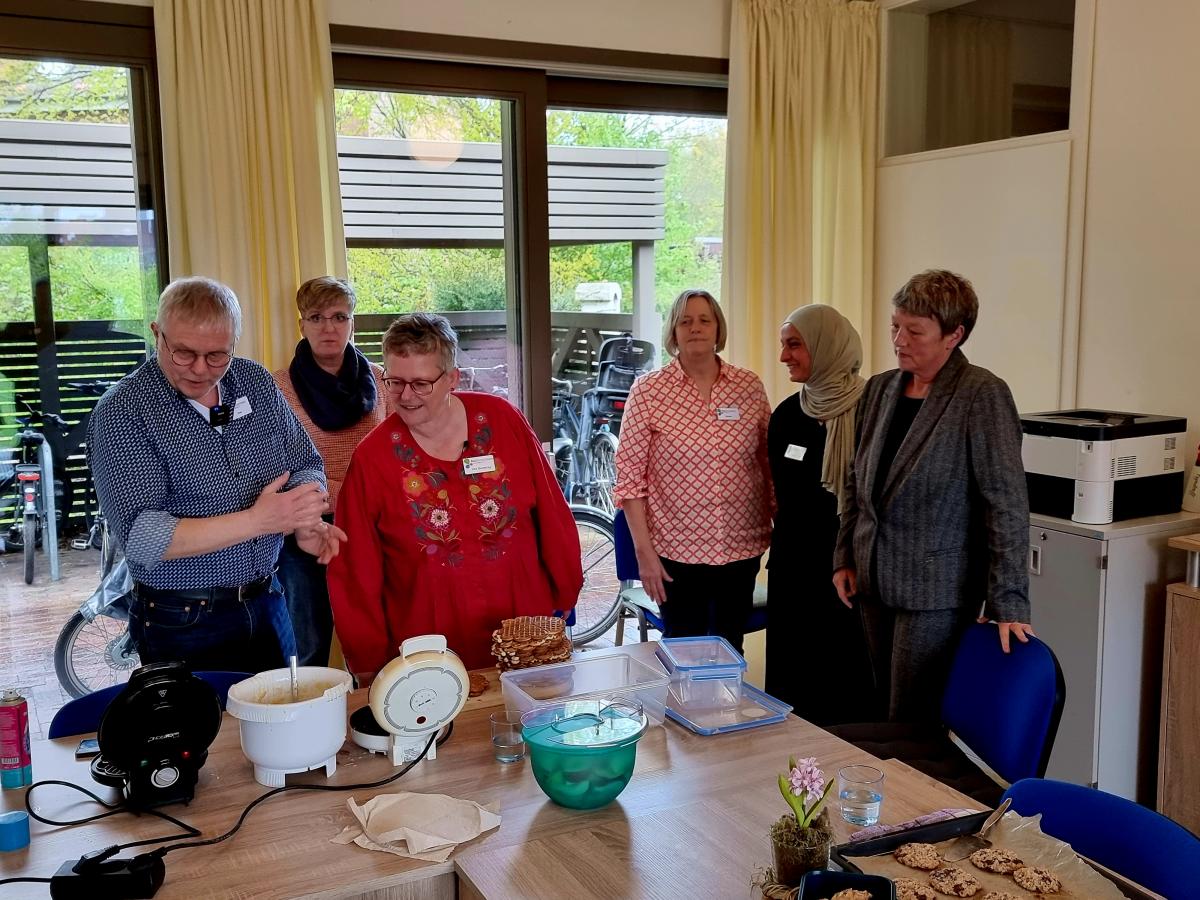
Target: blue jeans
307	594
221	635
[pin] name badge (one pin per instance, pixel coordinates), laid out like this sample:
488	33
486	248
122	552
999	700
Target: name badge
474	465
242	407
728	414
795	452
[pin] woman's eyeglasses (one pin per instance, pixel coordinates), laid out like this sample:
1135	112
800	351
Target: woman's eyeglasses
217	359
420	387
338	318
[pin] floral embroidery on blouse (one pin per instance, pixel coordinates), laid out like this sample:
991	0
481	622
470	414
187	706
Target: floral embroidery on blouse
436	518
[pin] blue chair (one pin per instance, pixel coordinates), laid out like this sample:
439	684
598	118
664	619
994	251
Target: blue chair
1135	842
636	603
83	714
1012	734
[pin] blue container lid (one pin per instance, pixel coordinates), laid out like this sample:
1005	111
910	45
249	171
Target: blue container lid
700	656
585	724
14	830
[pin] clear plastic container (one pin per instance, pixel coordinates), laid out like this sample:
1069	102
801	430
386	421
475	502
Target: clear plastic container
706	672
580	679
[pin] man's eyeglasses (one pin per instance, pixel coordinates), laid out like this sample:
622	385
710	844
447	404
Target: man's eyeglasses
421	388
338	318
217	359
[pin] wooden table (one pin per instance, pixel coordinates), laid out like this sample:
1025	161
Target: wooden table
693	821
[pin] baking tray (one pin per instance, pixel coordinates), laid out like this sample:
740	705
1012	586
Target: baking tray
936	832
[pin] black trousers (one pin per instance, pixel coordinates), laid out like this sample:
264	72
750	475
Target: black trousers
704	599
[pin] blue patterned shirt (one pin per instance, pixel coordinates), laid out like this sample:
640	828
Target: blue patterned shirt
155	460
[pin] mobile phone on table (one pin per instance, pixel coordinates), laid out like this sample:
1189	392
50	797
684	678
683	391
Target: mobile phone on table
88	747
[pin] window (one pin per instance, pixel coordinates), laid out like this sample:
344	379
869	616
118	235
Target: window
964	73
540	214
80	235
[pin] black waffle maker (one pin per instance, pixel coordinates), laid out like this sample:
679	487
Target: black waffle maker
154	736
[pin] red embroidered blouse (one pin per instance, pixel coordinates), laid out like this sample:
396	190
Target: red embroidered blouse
701	467
432	550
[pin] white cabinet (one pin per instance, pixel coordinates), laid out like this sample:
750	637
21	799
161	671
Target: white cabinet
1098	598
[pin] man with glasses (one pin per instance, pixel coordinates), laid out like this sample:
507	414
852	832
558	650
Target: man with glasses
201	468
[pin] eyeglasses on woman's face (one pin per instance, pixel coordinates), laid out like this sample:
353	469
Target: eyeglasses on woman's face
337	318
420	387
215	359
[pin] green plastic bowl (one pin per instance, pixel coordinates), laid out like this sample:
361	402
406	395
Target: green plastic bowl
582	751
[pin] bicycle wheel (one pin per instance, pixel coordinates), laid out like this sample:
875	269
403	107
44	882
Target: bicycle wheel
29	537
92	655
599	599
604	471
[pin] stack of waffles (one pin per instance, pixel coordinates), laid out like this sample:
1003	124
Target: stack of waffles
528	641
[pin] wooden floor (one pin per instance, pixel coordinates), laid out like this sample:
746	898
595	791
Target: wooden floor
31	616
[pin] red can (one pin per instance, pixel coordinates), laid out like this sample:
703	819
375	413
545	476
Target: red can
16	764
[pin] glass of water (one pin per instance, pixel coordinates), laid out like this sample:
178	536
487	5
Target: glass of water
507	741
860	792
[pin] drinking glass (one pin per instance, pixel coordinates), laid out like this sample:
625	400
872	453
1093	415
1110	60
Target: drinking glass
507	741
860	793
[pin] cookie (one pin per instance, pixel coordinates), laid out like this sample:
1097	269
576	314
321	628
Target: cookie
479	684
954	881
1037	880
911	889
851	894
993	859
918	856
999	895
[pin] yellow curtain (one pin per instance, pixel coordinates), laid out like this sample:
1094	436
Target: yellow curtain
969	93
800	171
250	155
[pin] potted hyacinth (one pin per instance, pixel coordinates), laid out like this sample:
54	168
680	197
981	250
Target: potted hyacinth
801	840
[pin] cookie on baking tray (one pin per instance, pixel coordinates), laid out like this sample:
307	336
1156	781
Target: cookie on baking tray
918	856
954	881
1037	880
911	889
999	895
995	859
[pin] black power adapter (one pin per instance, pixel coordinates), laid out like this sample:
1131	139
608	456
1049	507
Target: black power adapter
109	879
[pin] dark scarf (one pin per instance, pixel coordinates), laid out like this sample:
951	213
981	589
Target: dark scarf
333	402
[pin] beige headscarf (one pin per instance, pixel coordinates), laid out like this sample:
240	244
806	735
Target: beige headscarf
832	390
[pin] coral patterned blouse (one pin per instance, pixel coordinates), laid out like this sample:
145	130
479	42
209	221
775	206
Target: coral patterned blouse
433	550
701	467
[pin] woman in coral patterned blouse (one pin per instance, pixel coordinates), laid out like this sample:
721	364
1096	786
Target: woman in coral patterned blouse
453	515
693	479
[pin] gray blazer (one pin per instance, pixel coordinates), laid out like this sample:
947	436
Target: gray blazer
951	528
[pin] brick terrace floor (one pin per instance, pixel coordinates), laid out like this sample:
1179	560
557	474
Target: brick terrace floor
31	617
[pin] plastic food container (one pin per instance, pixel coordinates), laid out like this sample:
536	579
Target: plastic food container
820	884
596	678
582	752
706	672
281	736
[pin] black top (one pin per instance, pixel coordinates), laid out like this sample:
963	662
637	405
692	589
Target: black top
806	515
902	419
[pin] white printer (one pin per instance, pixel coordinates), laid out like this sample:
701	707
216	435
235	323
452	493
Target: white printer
1097	466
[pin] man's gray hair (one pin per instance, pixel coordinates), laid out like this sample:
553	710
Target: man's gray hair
200	301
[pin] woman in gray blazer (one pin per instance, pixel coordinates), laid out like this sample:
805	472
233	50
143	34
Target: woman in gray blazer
936	528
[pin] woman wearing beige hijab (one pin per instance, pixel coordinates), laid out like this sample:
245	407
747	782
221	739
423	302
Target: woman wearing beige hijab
810	443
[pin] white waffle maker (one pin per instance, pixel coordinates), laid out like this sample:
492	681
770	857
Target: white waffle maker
415	695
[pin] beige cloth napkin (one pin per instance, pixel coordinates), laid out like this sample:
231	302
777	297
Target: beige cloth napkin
420	826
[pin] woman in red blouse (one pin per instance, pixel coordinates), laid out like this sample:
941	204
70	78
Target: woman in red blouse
453	515
693	478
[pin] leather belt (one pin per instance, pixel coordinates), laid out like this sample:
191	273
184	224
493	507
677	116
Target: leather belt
241	593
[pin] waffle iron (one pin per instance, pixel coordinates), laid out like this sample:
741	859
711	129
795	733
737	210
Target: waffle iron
155	734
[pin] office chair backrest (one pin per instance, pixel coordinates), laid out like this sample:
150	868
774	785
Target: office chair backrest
1005	706
627	566
83	714
1133	841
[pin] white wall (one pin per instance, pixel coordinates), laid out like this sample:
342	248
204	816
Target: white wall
1000	219
1140	329
684	27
